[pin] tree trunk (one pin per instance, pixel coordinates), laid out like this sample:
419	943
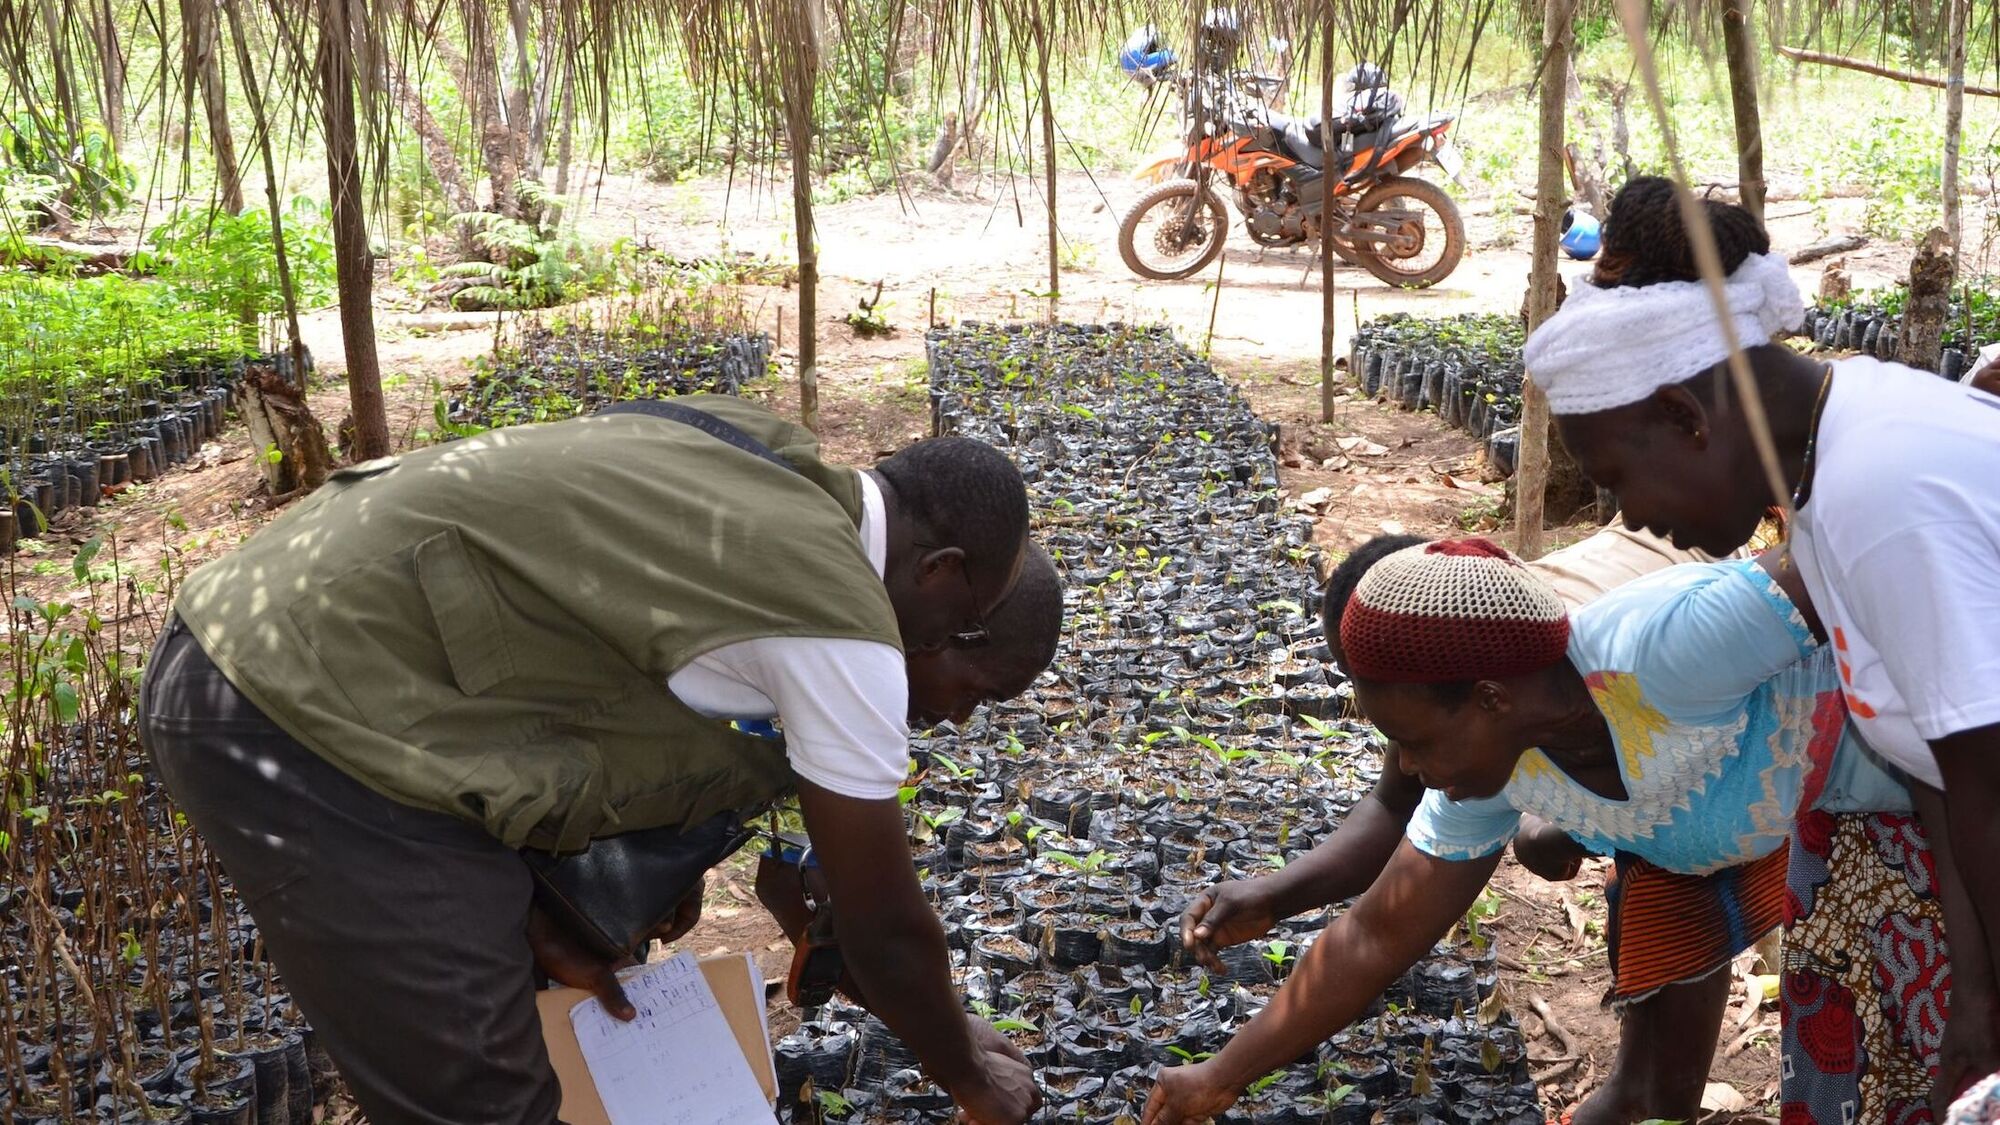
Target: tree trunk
801	79
1929	303
63	83
1954	123
477	73
1741	55
520	125
439	155
260	124
354	265
551	60
566	136
202	65
111	56
1328	315
1537	440
1042	36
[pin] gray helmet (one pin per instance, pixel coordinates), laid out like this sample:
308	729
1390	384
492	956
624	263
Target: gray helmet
1367	76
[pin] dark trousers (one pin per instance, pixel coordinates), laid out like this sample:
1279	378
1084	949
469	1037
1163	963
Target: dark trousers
401	933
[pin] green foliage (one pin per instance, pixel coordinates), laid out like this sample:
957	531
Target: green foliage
534	263
92	181
75	340
228	264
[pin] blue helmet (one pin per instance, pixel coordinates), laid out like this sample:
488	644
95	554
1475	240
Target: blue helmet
1143	57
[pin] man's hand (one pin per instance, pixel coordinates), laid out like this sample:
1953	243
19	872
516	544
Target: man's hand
568	963
1007	1095
1224	915
1548	851
1187	1094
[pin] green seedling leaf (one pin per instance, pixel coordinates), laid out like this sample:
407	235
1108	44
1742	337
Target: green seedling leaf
84	555
1016	1025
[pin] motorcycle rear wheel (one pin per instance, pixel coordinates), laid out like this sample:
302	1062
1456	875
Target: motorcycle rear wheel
1189	243
1436	229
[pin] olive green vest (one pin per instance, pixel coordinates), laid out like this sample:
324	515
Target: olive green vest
486	628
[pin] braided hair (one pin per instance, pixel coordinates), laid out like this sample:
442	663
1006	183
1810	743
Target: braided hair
1645	243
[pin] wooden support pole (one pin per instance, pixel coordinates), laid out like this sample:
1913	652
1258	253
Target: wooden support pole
1845	63
1954	124
1043	33
1532	478
353	261
1742	59
1327	311
800	83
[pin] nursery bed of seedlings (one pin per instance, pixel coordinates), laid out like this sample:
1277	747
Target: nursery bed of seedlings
1466	368
1871	323
1189	732
62	454
135	987
552	373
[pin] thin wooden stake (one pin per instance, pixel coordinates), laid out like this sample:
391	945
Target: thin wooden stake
1328	310
1531	480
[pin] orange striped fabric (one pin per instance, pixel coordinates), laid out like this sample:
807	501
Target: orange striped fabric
1669	928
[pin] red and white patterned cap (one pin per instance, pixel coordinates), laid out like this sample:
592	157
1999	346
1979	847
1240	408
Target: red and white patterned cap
1447	612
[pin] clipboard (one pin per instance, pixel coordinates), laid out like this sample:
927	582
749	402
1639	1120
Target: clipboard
736	983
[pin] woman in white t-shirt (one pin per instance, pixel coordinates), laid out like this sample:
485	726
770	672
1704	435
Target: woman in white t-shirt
1895	475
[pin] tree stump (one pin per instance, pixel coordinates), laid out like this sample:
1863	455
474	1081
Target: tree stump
282	424
1930	302
1835	284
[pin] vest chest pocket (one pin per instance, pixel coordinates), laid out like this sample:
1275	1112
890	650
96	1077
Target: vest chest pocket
409	634
466	612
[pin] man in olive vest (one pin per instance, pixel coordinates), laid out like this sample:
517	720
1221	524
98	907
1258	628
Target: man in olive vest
540	636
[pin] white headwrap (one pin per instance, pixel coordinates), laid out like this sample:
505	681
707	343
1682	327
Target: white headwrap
1607	348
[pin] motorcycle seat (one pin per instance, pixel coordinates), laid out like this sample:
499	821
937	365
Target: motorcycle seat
1301	139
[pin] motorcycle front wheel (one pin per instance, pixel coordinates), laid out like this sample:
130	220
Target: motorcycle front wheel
1426	241
1173	231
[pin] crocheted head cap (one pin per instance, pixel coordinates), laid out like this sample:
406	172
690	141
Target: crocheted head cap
1462	609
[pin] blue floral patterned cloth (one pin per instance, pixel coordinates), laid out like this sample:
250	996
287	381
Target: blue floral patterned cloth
1727	719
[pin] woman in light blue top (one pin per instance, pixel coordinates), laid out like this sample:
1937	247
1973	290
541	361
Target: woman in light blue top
1684	719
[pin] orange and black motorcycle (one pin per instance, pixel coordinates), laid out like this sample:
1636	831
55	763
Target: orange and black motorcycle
1404	230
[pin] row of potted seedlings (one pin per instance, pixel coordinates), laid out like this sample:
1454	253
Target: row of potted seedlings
1871	324
61	456
550	373
1465	368
1189	732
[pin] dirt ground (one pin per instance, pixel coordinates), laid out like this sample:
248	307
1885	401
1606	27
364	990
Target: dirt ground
982	254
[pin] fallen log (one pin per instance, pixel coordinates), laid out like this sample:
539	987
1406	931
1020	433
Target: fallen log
1827	247
1845	63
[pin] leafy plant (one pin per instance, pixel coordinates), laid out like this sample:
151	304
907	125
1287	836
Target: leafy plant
532	263
228	264
92	180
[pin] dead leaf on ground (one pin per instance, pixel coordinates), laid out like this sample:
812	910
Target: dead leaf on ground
1578	924
1721	1097
1466	484
1361	447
